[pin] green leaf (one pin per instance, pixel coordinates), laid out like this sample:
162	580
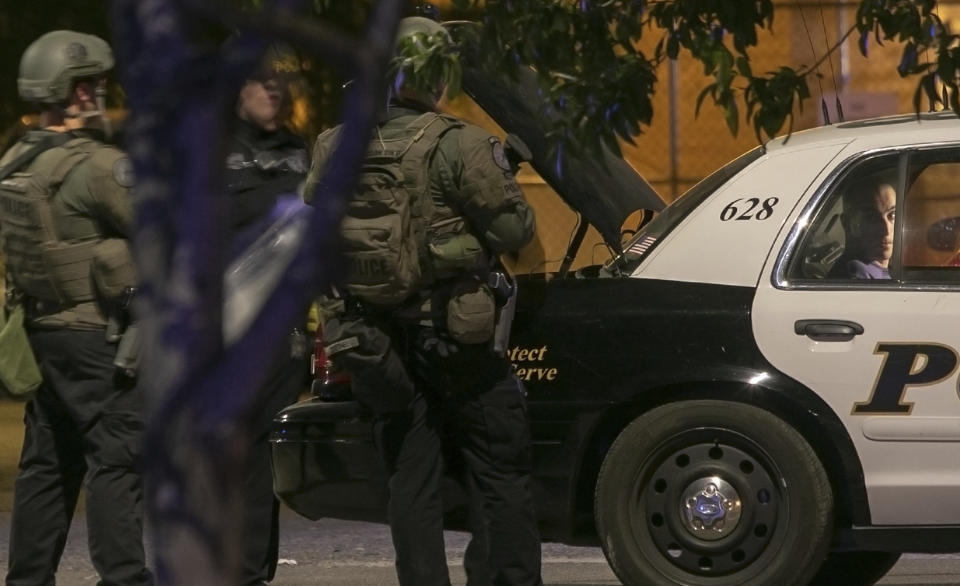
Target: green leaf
703	94
732	117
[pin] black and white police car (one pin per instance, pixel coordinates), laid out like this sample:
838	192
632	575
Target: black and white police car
724	402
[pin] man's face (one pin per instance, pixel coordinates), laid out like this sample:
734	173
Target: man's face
261	102
870	226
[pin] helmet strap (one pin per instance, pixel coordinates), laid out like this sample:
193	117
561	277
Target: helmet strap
101	99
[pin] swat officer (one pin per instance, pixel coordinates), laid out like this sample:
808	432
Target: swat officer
265	161
452	389
65	217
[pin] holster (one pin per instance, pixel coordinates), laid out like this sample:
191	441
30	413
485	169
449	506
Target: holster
127	358
500	342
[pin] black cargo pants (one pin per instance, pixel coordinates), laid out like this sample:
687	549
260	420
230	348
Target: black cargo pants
82	423
473	399
261	514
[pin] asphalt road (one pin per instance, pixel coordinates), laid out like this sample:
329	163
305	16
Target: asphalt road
344	553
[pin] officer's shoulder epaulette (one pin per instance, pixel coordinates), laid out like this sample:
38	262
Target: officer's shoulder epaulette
329	134
452	120
105	155
471	134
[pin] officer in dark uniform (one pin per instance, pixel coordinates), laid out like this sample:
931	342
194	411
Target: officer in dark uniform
463	393
85	421
265	161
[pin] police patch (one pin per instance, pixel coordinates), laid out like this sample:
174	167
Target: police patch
499	156
123	172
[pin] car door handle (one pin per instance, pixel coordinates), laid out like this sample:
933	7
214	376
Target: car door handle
827	330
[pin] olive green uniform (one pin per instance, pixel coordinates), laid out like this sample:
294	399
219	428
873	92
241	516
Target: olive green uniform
84	423
92	203
463	393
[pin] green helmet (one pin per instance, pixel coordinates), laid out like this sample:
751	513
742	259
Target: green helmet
54	61
417	35
412	25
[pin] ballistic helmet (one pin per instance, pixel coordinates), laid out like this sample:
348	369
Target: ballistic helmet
416	33
54	61
413	25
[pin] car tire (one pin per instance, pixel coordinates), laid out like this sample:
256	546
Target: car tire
855	568
711	493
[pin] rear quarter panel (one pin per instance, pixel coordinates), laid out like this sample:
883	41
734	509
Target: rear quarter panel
726	240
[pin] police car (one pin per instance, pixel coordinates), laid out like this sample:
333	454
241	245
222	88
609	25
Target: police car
727	401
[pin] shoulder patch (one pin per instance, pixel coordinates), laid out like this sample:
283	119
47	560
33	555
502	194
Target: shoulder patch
123	172
499	156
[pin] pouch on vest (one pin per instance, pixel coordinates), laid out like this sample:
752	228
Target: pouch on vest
378	377
454	254
19	373
383	229
471	312
113	270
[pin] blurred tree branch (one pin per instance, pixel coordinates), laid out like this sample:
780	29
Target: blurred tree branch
179	91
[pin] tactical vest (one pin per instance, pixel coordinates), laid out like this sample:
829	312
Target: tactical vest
387	221
41	265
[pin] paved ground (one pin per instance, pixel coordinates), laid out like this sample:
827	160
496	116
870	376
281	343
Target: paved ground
326	552
343	553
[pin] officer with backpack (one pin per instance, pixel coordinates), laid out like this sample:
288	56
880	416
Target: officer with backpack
415	320
65	217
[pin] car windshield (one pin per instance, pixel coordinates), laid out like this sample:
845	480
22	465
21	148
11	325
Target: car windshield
646	239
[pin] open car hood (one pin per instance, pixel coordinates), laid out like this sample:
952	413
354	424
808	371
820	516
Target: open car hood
601	186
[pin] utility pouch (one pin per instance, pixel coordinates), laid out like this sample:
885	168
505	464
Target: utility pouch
453	254
112	269
378	377
471	312
19	373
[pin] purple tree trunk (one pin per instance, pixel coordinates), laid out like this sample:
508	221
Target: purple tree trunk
198	388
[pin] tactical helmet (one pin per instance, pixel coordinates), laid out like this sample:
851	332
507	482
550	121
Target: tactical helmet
417	34
54	61
413	25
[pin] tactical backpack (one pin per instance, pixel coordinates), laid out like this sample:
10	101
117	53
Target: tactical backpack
384	228
43	267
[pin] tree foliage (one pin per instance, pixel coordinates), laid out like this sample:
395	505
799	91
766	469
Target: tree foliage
601	84
203	384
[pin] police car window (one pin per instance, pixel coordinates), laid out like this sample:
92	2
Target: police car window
851	238
932	218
